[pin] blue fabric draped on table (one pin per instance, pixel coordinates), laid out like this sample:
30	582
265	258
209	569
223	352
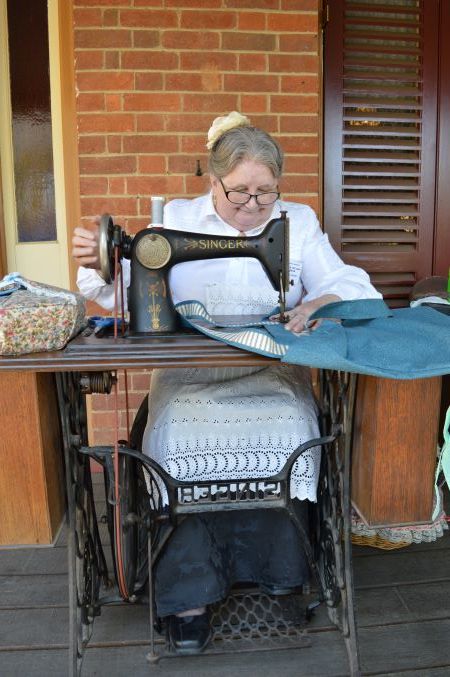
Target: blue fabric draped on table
406	343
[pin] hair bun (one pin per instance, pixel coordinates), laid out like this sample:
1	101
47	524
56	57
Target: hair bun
223	124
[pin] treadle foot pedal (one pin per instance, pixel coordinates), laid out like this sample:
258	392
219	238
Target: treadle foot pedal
252	621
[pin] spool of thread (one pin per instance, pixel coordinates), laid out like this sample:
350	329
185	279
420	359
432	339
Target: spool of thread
157	207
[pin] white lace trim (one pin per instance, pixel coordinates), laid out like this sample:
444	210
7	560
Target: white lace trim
415	533
235	299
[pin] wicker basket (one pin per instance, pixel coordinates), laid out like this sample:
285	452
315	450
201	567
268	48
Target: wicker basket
377	542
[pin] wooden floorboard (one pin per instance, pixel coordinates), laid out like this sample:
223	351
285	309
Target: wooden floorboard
29	562
123	661
402	568
420	645
420	672
33	591
403	612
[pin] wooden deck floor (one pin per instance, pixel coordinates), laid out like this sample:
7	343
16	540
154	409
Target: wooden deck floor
403	612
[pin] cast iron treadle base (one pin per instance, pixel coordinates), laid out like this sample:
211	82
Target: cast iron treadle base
249	620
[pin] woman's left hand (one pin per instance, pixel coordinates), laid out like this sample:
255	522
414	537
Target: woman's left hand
298	317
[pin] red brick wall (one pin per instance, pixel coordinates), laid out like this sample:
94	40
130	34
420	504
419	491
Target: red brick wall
152	74
102	429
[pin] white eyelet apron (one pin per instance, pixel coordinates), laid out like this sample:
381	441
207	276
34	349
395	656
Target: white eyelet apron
234	422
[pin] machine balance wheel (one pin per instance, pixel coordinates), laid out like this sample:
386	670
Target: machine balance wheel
106	248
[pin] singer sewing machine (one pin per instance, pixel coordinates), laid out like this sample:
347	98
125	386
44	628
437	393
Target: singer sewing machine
153	251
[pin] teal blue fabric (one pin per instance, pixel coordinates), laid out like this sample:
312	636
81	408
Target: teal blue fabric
406	343
411	343
364	309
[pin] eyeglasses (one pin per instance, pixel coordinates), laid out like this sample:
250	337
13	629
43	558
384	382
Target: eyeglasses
238	197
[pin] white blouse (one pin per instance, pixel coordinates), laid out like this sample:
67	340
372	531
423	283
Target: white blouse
240	285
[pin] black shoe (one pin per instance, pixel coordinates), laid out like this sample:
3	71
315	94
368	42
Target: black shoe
277	590
189	634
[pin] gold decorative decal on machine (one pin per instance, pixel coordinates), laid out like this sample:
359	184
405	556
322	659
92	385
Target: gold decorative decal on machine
153	251
154	308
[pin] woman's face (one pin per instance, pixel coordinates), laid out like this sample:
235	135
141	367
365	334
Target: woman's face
249	177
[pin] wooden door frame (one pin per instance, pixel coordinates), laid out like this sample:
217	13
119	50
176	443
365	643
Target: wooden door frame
69	130
2	231
65	153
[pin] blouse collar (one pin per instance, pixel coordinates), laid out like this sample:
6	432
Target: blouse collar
208	210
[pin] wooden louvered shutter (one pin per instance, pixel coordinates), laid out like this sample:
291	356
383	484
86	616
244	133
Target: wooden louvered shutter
380	105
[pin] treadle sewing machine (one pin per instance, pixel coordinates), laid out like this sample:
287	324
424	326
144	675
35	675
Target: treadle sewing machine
138	523
155	250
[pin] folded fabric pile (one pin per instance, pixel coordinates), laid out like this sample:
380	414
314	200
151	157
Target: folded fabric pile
35	317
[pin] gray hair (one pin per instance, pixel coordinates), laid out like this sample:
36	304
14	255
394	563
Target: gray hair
245	143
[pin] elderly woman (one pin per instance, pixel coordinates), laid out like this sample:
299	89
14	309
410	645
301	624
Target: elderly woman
230	423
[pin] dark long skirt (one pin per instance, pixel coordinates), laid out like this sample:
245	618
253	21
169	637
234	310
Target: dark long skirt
207	554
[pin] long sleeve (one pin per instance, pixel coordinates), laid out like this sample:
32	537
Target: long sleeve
324	272
94	287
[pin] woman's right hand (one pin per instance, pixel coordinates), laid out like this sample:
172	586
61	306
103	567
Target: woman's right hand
85	247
